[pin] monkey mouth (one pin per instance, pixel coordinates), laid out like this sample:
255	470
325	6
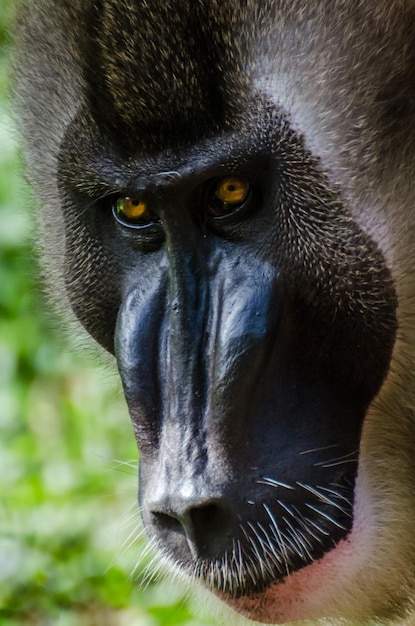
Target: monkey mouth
240	574
247	572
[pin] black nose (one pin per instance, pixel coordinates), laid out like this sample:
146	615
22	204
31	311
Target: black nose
206	525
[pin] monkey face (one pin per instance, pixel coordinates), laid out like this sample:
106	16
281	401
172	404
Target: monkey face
247	403
227	228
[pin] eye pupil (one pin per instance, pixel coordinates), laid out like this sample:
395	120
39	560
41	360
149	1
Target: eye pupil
232	189
138	215
131	208
134	212
228	194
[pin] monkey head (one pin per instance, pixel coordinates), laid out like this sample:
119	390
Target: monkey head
226	199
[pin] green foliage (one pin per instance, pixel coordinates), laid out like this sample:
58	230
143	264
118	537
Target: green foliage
62	423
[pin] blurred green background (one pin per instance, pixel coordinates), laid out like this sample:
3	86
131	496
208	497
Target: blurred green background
70	541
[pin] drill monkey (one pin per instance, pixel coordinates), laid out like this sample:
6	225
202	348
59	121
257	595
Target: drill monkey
226	194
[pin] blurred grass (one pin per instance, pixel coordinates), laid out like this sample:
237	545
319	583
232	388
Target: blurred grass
63	425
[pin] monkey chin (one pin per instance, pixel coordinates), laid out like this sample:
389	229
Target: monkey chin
303	595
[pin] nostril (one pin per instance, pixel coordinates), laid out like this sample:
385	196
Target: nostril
167	522
207	527
208	517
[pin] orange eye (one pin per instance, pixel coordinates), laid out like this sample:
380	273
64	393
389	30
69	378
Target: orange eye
232	190
135	214
131	209
227	195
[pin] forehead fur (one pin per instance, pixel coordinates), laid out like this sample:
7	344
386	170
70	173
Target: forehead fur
165	67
